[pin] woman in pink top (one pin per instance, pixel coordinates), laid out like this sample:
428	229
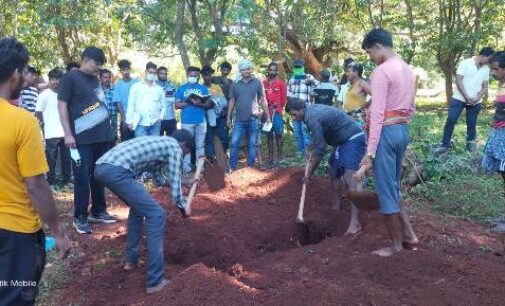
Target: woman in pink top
393	90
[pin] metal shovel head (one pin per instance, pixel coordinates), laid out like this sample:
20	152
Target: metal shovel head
366	200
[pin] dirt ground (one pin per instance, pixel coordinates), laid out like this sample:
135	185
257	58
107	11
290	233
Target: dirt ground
242	247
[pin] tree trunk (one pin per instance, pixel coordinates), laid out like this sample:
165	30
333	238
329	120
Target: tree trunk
179	33
448	83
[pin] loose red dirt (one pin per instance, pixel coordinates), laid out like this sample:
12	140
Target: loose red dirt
242	247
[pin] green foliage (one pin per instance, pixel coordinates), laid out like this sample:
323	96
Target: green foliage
456	185
476	197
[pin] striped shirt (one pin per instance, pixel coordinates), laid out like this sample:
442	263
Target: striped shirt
161	156
28	98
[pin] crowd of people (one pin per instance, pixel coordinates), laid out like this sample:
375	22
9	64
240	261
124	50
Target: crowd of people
112	135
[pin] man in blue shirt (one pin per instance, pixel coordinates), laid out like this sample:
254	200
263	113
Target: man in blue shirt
168	122
193	112
121	93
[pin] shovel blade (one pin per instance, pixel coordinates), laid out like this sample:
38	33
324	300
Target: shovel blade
366	200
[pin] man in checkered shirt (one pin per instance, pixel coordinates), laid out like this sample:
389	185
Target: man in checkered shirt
117	170
300	86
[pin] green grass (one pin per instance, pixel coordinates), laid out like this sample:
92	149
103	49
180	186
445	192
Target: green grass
470	196
457	185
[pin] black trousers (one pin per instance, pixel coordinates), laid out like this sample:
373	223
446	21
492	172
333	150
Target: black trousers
84	181
53	146
168	127
22	261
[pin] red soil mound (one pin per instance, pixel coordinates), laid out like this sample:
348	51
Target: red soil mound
241	247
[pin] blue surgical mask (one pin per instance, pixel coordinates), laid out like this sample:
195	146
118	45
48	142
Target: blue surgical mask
150	77
192	80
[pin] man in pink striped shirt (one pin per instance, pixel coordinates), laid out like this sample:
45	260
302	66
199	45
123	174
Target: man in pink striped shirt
393	91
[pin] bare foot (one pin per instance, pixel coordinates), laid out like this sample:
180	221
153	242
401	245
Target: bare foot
353	229
386	252
410	243
151	290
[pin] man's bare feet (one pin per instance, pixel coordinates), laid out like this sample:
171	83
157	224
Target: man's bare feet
151	290
353	229
388	251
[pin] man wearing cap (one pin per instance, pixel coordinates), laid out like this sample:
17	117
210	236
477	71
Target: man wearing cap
193	112
300	86
245	95
325	92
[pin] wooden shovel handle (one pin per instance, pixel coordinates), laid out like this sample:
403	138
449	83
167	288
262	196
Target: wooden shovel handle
198	172
299	218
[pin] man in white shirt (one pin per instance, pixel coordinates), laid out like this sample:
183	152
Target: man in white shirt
46	110
146	105
472	77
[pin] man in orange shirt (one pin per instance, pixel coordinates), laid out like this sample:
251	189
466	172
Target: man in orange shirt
276	96
25	196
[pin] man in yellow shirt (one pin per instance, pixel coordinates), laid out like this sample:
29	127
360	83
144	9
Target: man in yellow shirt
25	196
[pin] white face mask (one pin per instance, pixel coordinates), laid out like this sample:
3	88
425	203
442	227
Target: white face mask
192	80
150	77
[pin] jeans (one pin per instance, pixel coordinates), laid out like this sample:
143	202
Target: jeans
84	181
142	207
53	146
250	128
168	127
222	131
472	112
152	130
198	131
388	166
302	135
22	258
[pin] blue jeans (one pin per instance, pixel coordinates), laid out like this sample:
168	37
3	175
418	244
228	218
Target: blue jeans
388	166
251	128
142	207
198	131
152	130
472	112
222	130
302	135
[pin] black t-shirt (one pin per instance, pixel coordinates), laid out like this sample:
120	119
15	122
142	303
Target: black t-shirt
79	90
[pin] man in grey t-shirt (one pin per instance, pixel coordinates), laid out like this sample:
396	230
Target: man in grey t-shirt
244	96
330	126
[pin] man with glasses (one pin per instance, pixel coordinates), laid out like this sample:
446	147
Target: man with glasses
121	94
86	125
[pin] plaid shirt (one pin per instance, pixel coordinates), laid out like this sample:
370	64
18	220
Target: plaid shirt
111	106
162	156
301	88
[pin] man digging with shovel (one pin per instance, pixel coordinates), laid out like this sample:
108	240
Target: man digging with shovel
118	169
328	125
393	91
